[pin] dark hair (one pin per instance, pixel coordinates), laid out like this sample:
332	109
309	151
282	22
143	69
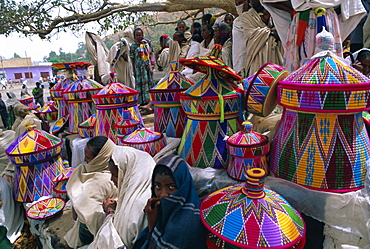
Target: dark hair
181	34
137	29
179	22
96	143
228	14
161	170
196	25
207	18
364	54
209	27
197	38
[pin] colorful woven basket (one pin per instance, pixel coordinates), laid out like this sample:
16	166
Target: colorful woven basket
79	97
110	103
87	127
248	150
145	140
58	126
169	117
57	90
213	107
60	181
29	101
35	155
126	126
251	216
321	141
260	89
45	209
49	112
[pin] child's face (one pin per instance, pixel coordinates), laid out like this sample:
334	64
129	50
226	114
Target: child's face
365	65
181	27
229	20
138	35
164	186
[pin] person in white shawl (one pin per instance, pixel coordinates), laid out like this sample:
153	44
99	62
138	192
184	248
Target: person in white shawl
22	116
262	42
87	188
132	171
11	212
205	48
239	50
98	52
119	60
179	47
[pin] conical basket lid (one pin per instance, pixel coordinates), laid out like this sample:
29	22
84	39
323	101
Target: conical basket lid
251	216
33	146
173	81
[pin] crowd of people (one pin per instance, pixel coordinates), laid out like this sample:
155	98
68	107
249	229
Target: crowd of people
120	195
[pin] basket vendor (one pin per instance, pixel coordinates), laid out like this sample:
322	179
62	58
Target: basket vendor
88	186
131	172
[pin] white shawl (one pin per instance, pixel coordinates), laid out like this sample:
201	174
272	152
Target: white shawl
135	170
88	186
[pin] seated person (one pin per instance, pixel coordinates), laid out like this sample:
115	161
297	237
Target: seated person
173	210
22	116
362	61
88	186
131	172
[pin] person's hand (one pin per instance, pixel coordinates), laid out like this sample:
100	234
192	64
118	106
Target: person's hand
109	205
9	179
151	209
357	65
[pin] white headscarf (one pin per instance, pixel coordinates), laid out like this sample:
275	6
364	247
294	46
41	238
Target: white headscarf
88	186
135	170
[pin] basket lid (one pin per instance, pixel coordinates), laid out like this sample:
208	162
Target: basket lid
142	136
173	81
326	70
115	89
205	63
61	66
127	120
251	216
247	137
26	96
49	107
35	141
64	175
88	123
45	208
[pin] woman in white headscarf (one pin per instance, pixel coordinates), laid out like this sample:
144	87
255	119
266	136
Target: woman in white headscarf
131	171
22	116
88	186
10	103
119	60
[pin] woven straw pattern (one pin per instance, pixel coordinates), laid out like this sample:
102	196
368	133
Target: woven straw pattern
212	106
145	140
87	127
60	181
248	150
325	152
169	117
250	216
29	101
261	89
33	146
45	209
34	181
335	88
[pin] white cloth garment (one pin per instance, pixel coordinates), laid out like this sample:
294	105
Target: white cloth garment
88	186
11	212
135	170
